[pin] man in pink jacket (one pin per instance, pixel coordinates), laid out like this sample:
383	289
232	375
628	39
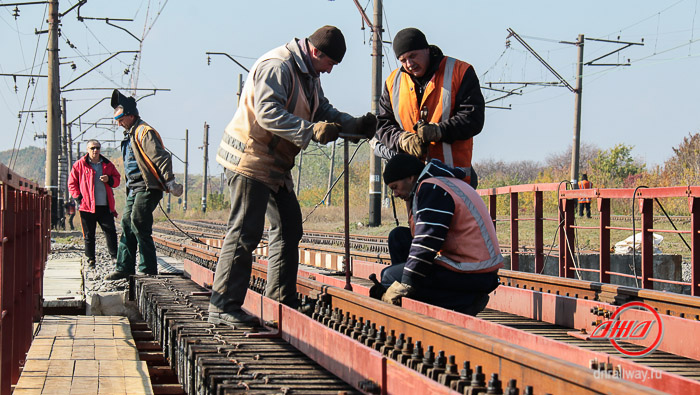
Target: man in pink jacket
90	182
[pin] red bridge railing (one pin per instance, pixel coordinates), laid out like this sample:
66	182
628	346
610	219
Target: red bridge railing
567	200
25	220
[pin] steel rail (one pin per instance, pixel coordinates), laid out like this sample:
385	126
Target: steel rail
322	292
672	304
508	361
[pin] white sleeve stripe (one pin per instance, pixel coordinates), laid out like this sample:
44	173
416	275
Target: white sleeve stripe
432	237
420	259
432	224
413	271
435	210
424	247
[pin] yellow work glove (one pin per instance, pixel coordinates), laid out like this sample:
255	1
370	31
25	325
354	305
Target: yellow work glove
429	132
412	144
397	290
325	132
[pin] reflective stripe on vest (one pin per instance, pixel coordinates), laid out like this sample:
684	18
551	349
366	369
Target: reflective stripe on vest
495	259
446	107
139	134
457	154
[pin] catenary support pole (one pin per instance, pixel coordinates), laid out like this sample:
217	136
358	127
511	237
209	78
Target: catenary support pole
577	114
53	112
301	159
375	163
184	182
205	147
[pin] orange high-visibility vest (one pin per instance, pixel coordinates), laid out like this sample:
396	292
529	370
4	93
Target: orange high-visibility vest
471	244
584	184
439	98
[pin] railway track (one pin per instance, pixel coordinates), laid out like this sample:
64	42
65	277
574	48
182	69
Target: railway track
410	348
213	359
324	245
340	314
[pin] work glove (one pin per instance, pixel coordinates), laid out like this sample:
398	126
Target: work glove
325	132
365	125
397	291
174	188
412	144
429	132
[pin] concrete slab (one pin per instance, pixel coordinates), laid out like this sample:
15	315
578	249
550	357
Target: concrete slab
63	284
170	265
70	356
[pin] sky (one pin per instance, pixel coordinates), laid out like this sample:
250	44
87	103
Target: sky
650	105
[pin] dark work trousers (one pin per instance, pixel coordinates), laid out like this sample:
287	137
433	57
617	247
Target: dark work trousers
251	200
464	292
587	206
137	227
89	223
70	221
400	239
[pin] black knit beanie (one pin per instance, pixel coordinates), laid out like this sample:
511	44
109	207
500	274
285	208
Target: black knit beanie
329	40
127	103
409	39
402	166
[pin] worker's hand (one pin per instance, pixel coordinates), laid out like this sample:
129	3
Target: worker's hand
174	188
364	126
397	291
104	178
325	132
429	132
412	144
367	125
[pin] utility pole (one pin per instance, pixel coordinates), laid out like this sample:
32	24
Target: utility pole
240	87
575	146
205	147
69	133
375	163
301	159
53	114
62	163
330	176
187	145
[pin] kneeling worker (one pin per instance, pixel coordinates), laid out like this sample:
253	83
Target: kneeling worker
450	256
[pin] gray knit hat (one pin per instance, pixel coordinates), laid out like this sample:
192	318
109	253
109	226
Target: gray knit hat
329	40
409	39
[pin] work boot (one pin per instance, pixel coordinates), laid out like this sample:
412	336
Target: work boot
91	263
237	317
116	276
